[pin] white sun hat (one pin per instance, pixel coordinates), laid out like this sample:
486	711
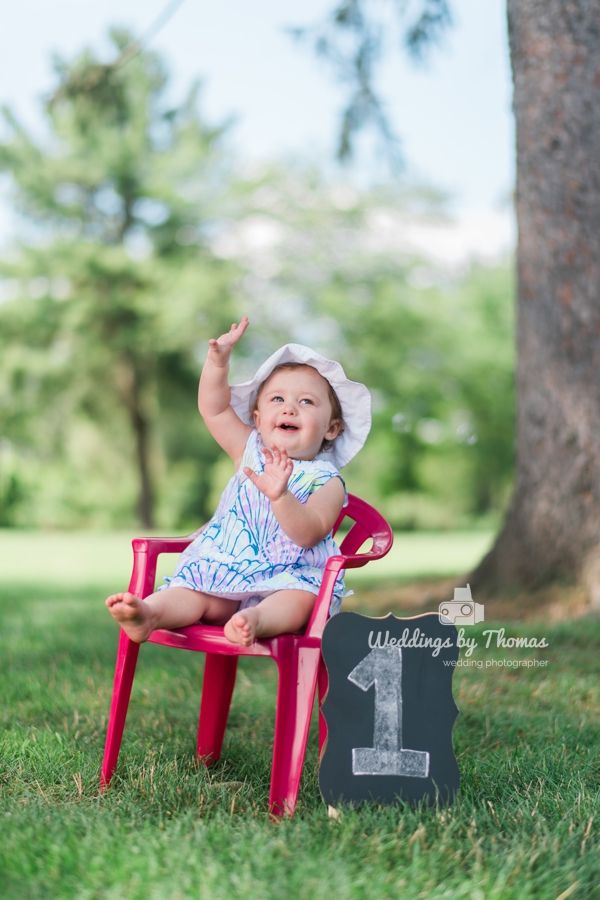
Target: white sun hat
354	398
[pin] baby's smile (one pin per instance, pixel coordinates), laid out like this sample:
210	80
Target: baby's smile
285	426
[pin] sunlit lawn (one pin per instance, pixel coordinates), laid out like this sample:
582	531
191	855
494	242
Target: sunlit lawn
105	557
525	824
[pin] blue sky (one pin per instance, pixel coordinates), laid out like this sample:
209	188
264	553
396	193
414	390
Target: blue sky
453	115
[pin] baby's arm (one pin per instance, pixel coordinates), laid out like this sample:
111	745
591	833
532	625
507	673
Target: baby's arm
305	524
214	395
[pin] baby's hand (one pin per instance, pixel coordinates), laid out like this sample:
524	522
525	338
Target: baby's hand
219	350
278	468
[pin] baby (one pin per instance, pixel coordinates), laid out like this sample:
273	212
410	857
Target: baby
256	567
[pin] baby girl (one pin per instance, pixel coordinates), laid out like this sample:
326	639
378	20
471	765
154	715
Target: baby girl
256	567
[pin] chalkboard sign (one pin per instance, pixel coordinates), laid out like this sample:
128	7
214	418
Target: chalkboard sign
389	710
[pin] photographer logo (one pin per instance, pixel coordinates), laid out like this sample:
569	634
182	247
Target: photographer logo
462	610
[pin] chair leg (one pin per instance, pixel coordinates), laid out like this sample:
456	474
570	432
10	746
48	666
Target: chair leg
127	656
323	681
295	699
217	690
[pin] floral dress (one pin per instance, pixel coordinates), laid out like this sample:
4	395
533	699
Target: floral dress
244	554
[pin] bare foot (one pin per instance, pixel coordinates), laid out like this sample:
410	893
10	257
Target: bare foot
242	626
133	615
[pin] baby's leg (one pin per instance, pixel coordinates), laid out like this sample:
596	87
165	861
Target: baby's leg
279	613
175	607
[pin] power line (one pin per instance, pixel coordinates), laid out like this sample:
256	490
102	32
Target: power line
136	47
97	73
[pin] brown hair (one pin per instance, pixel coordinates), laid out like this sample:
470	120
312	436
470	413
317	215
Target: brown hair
336	406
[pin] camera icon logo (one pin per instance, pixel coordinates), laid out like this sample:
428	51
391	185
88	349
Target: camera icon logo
462	610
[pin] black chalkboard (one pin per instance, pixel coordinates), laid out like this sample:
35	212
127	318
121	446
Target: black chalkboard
389	710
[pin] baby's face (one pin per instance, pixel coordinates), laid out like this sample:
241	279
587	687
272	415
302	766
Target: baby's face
294	412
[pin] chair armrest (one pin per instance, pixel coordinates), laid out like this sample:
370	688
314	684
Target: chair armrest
334	565
353	561
145	553
381	546
158	545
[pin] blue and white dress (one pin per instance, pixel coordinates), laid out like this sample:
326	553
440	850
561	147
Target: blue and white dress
243	552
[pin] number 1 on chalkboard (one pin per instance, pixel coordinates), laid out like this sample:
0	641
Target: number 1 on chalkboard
382	667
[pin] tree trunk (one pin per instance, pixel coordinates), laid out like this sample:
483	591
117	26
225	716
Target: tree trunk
552	527
129	386
146	496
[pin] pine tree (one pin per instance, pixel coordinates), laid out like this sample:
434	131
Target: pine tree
113	265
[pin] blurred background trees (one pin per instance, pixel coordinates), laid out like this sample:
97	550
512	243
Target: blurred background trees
141	237
111	280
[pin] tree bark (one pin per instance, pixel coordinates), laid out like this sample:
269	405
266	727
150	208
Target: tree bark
146	495
129	385
552	527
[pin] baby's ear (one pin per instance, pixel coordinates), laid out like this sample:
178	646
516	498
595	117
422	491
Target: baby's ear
333	430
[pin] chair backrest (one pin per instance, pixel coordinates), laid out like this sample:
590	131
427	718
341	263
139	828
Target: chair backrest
368	523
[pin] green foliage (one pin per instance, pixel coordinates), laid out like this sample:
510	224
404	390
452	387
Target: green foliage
120	286
140	240
353	39
442	373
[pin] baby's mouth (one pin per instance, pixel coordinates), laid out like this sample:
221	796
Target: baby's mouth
285	427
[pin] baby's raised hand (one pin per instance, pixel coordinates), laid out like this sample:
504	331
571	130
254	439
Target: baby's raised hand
274	479
219	349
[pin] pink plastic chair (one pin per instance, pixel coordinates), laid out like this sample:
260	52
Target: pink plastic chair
298	658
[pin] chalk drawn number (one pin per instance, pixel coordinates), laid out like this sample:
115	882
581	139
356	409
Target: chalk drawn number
383	668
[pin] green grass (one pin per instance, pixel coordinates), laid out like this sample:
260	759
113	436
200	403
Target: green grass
525	824
104	558
417	554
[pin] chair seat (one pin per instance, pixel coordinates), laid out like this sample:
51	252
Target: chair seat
211	639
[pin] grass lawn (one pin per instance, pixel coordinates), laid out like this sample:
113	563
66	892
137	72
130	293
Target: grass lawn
105	558
525	824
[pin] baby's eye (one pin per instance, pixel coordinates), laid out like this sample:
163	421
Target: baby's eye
306	400
277	399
